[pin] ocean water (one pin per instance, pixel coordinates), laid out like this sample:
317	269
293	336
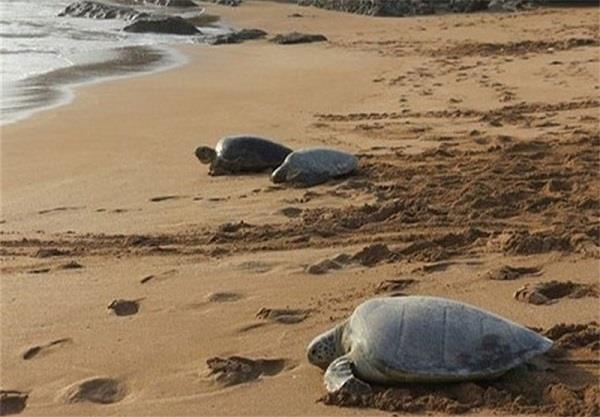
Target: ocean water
42	56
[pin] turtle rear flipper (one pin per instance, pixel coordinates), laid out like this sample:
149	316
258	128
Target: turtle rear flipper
339	376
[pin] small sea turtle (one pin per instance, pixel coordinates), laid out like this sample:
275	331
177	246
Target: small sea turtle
420	339
239	154
308	167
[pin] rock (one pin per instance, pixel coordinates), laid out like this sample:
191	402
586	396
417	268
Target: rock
232	3
416	7
297	37
238	36
96	10
173	24
374	7
167	3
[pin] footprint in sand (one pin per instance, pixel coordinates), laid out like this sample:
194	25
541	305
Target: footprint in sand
50	252
394	287
291	212
550	292
164	198
41	350
12	402
283	315
159	276
508	273
39	271
96	390
59	209
124	307
223	297
258	267
70	265
237	370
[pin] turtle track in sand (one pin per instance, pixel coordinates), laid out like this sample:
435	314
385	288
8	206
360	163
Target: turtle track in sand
466	201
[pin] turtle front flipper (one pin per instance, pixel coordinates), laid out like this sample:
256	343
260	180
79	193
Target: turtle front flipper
308	179
339	376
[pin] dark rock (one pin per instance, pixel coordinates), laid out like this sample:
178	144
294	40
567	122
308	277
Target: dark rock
174	25
238	37
96	10
374	7
416	7
167	3
232	3
297	37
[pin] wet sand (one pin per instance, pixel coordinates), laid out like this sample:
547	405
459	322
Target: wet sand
478	144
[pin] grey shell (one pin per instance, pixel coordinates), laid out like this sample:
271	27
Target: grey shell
313	166
428	338
249	154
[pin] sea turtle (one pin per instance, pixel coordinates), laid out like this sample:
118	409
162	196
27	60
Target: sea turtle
239	154
308	167
420	339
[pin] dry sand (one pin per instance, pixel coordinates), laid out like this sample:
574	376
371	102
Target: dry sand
478	139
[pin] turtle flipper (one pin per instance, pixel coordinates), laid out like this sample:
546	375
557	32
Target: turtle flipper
339	376
308	179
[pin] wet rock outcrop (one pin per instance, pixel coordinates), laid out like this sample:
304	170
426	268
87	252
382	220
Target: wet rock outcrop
416	7
174	25
297	37
167	3
97	10
238	36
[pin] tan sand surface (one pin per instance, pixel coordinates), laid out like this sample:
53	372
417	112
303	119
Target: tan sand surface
478	142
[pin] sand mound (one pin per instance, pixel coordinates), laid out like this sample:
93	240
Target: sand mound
236	369
575	336
518	394
508	273
97	390
548	292
394	287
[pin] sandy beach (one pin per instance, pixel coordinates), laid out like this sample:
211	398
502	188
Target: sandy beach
478	143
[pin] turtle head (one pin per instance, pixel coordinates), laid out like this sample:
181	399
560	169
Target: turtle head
280	174
205	154
326	347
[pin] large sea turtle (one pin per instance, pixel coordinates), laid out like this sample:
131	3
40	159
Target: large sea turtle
307	167
420	339
239	154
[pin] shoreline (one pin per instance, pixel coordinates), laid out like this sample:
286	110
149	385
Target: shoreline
57	88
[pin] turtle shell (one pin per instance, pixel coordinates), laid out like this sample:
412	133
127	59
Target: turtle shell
313	166
249	153
434	339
